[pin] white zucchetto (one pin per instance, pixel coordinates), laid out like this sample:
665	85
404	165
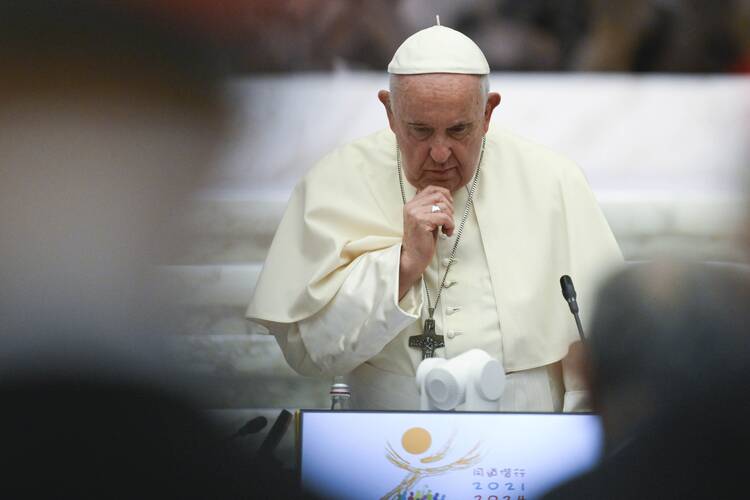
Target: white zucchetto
438	49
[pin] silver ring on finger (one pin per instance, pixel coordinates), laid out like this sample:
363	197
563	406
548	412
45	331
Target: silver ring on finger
435	208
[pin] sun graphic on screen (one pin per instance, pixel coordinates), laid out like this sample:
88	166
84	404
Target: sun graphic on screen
416	440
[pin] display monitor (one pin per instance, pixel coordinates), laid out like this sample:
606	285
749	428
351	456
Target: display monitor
443	455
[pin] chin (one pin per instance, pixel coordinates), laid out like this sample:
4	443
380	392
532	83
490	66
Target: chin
450	182
450	186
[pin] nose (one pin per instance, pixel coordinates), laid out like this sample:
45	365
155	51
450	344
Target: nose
440	151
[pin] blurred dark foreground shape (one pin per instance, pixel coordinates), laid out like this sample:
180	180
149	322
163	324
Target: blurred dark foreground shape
670	368
108	117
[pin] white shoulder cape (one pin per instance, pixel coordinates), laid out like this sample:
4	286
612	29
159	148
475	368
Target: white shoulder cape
538	220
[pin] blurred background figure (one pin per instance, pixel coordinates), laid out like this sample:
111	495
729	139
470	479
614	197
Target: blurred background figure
686	36
670	352
109	118
110	114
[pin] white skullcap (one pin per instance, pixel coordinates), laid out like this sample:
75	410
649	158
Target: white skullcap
438	49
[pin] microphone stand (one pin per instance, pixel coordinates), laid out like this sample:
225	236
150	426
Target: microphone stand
580	328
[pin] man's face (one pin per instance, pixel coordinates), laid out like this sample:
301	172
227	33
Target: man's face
439	120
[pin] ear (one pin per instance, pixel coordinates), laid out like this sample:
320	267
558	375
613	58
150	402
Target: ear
385	97
493	99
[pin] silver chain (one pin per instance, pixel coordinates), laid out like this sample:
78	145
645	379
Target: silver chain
469	203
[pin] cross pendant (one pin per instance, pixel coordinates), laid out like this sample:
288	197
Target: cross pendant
428	341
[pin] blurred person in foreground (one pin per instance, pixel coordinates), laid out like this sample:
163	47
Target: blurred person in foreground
108	117
669	369
436	236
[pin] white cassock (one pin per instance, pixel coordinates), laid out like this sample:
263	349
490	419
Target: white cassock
329	288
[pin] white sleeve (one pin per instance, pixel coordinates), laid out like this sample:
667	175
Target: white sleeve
358	322
577	396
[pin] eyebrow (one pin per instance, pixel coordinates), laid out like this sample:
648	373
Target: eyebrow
420	124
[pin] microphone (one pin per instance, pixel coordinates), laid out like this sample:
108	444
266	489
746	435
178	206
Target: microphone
274	436
252	426
569	294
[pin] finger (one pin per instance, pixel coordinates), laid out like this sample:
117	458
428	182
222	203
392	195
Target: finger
440	198
441	208
449	226
446	206
438	219
438	189
434	221
432	190
432	196
428	207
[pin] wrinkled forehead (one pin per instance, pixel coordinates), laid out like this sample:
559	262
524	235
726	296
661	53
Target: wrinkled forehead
436	89
445	80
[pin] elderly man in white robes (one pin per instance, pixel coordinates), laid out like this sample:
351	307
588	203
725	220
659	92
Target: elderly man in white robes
434	237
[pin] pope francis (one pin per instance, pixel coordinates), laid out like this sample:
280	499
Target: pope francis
434	237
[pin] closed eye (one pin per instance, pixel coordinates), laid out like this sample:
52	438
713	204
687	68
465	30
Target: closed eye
459	130
421	131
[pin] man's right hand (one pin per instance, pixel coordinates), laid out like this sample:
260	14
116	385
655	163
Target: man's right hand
421	226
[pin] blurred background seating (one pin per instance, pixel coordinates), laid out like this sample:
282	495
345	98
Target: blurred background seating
687	36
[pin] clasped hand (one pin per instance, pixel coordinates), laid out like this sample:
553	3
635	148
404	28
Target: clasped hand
421	226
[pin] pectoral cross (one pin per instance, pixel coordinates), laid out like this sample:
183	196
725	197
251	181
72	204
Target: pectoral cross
428	341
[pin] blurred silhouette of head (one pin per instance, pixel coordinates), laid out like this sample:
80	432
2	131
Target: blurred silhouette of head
108	118
670	367
665	335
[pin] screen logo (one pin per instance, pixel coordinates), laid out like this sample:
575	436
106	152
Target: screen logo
434	461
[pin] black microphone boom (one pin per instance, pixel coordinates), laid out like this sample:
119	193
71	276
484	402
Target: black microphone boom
569	293
278	429
252	426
